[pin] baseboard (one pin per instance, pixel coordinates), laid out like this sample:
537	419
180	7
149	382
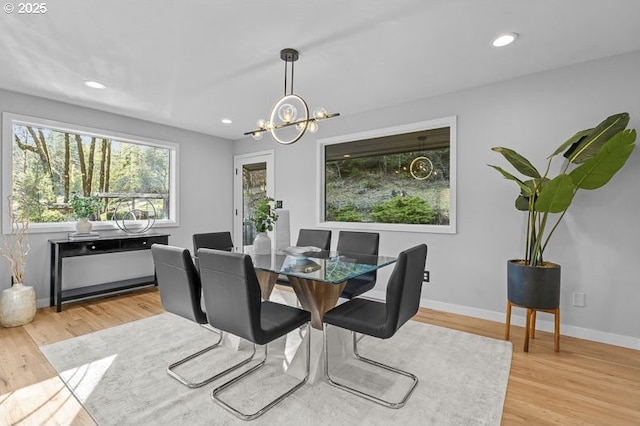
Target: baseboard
541	324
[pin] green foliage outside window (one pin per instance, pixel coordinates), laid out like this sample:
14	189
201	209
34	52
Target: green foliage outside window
346	213
403	210
385	191
49	216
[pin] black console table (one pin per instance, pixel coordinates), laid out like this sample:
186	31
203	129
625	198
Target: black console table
64	248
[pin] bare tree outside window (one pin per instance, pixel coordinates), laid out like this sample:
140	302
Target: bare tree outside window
49	165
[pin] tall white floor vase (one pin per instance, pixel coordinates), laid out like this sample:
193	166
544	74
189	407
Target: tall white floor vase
17	305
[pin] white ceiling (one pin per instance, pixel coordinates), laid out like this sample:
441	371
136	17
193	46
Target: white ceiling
191	63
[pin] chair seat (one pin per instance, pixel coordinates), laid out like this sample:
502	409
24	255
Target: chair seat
277	319
362	316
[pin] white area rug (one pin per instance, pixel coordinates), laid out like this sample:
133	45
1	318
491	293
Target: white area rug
119	376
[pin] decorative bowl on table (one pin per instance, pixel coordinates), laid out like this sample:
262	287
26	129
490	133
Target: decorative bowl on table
300	252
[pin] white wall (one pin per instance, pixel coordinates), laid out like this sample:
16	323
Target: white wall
205	194
598	242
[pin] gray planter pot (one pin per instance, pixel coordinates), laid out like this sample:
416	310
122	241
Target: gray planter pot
536	287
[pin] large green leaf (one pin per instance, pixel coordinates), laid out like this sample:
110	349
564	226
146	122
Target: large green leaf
525	189
521	164
597	171
588	147
572	140
556	196
522	203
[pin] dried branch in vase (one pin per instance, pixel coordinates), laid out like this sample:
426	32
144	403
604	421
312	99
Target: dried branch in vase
15	245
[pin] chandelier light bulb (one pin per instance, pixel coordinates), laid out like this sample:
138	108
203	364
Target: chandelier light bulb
320	113
269	126
287	113
300	126
256	135
312	126
261	123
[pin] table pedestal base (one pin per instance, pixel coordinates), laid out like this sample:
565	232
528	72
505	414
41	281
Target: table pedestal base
340	345
316	297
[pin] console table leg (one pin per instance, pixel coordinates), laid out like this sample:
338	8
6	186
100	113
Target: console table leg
52	277
59	283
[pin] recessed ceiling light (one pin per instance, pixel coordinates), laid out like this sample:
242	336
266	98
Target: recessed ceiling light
94	84
505	39
226	121
347	155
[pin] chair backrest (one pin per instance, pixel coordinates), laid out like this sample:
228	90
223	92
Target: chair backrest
405	286
360	242
178	282
213	240
231	292
320	238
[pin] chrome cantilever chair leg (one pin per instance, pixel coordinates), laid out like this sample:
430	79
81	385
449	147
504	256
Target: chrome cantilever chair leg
191	384
270	405
361	393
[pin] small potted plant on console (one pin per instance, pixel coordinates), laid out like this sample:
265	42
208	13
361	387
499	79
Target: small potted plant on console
85	207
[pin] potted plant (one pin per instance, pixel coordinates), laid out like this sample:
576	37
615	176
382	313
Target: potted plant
17	303
264	216
593	157
83	208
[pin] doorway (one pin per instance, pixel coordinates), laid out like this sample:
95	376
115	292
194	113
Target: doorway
253	179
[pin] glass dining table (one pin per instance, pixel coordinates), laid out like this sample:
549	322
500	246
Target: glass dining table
317	277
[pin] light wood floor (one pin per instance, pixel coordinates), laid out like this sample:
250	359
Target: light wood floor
586	383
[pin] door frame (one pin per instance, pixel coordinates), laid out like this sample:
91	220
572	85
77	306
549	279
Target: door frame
238	161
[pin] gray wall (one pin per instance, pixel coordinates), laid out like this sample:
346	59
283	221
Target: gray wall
597	243
205	194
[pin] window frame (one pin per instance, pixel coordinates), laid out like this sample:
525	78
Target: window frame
8	121
450	122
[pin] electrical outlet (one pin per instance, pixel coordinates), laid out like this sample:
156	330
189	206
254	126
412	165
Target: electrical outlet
579	299
426	277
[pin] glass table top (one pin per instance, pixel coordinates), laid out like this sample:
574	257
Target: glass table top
327	266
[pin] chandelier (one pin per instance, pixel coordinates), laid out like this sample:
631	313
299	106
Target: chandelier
289	119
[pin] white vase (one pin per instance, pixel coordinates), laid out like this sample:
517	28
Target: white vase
83	226
17	305
262	244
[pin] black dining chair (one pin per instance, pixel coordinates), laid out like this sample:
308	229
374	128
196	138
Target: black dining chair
180	293
381	319
359	243
232	295
213	240
320	238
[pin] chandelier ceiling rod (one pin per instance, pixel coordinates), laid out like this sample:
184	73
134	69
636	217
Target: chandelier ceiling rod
289	55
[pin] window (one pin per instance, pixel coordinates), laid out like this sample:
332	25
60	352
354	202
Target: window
398	179
45	163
